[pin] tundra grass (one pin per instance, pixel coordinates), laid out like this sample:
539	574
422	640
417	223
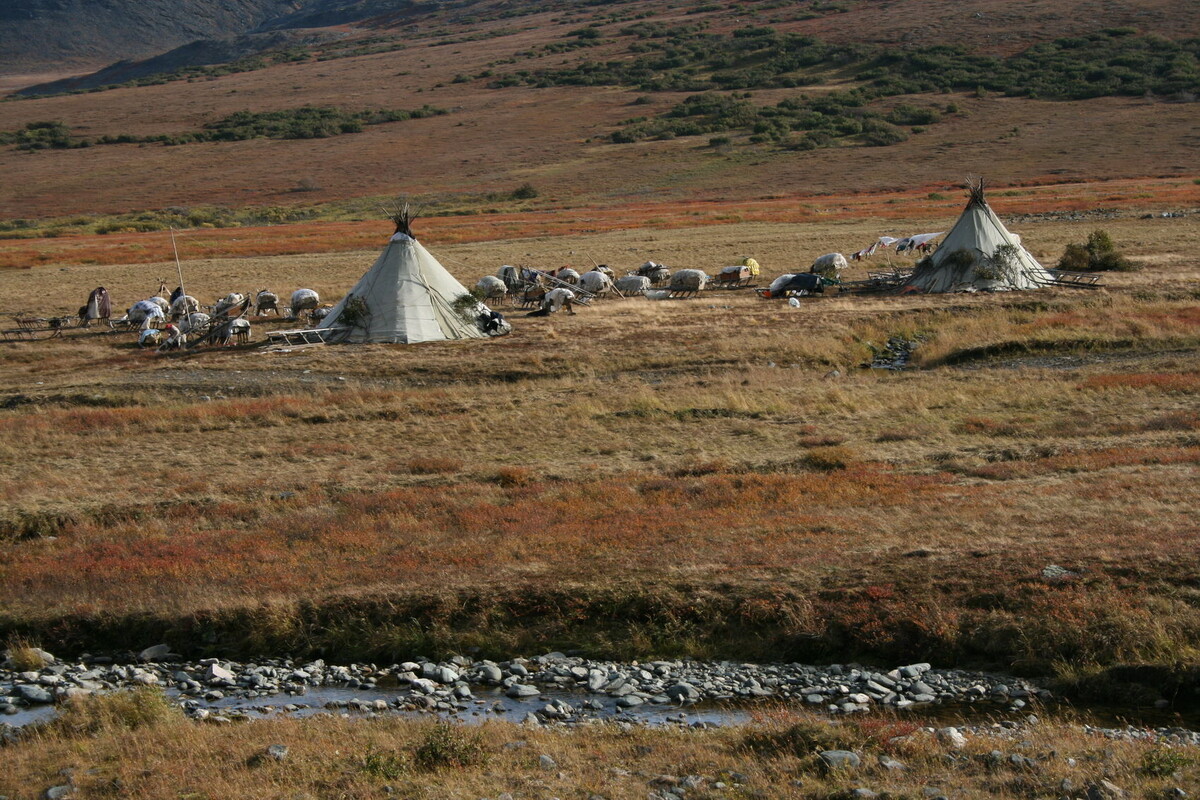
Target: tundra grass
138	747
710	477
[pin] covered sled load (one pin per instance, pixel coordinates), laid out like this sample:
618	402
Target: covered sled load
799	283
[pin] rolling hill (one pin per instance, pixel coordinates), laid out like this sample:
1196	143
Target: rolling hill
601	103
45	35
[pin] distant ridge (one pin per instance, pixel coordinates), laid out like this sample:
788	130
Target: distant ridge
200	53
76	34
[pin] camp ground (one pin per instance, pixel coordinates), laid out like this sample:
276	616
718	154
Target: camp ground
407	296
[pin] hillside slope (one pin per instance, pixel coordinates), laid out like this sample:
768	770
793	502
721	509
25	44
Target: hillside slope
595	105
38	34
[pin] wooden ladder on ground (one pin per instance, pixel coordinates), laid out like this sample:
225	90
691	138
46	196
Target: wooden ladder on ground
299	338
1078	280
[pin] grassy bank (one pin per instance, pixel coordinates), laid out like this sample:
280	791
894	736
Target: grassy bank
1101	639
136	746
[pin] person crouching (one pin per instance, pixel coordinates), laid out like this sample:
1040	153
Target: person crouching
176	338
556	300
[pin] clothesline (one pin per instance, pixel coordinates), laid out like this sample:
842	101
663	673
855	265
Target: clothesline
906	243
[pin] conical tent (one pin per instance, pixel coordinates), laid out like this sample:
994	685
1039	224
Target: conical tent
978	254
406	297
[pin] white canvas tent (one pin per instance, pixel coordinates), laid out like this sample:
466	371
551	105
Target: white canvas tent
406	297
968	258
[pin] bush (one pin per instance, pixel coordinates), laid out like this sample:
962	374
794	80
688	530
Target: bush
881	134
1099	254
1162	762
525	192
23	656
905	114
448	745
385	764
141	708
999	265
513	476
958	260
1074	258
828	459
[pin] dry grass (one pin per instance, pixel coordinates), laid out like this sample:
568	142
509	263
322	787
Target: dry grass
22	656
820	211
698	443
775	756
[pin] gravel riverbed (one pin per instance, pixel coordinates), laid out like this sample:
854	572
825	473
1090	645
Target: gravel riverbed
553	688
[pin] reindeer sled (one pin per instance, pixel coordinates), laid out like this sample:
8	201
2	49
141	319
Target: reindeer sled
226	325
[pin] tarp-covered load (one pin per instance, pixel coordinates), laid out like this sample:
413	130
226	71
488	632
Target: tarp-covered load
796	283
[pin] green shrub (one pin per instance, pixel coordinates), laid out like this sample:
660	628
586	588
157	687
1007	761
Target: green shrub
307	122
905	114
881	134
385	764
1098	254
42	136
446	745
1074	258
525	191
1163	762
1000	264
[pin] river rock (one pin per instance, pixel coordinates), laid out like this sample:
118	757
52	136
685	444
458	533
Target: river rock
547	763
216	672
1104	790
155	653
489	674
840	759
33	694
683	692
518	690
59	792
951	738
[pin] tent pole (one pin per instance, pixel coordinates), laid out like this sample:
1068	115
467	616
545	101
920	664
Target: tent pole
178	268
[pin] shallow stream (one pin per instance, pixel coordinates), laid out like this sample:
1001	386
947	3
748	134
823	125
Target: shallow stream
490	703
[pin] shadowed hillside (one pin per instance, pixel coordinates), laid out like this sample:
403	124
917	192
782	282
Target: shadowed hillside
38	34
